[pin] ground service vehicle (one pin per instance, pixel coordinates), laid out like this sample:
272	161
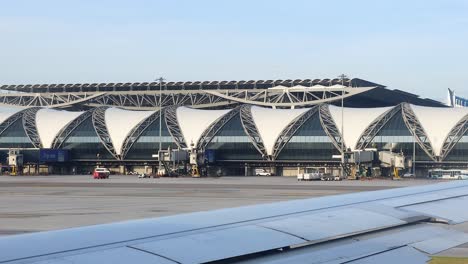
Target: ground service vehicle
101	173
310	174
329	177
408	175
448	174
262	172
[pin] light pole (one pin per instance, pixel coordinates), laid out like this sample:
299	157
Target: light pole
160	80
342	77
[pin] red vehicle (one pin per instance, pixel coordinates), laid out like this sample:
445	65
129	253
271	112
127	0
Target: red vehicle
101	173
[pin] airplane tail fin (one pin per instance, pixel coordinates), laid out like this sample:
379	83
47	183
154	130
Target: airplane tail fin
450	98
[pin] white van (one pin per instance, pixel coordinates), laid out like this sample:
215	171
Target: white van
262	172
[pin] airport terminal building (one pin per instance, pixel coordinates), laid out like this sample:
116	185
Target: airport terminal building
235	126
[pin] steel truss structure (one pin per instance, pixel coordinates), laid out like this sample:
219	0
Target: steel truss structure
49	100
290	130
150	100
99	124
284	97
97	115
456	133
417	130
251	130
215	127
10	121
330	128
66	131
411	122
374	128
172	123
136	132
282	94
196	85
288	97
131	100
30	126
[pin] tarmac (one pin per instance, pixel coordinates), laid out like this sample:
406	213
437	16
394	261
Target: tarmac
39	203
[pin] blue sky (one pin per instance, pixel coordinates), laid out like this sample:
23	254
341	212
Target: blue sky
417	46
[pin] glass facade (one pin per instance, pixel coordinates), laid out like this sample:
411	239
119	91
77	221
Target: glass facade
460	150
84	143
148	143
395	135
232	143
15	137
309	143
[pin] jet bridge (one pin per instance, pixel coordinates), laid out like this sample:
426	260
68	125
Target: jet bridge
371	162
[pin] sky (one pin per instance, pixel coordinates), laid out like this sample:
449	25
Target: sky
417	46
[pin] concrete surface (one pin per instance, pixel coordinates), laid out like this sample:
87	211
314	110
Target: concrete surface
36	203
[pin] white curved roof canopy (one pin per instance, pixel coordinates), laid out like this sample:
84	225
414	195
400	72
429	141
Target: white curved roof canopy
6	112
193	122
270	122
49	122
356	120
437	122
120	122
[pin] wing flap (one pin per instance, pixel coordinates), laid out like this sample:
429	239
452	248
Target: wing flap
453	210
333	224
220	244
357	248
121	255
441	243
399	255
404	215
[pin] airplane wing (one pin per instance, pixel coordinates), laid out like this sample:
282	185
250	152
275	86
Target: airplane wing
406	224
